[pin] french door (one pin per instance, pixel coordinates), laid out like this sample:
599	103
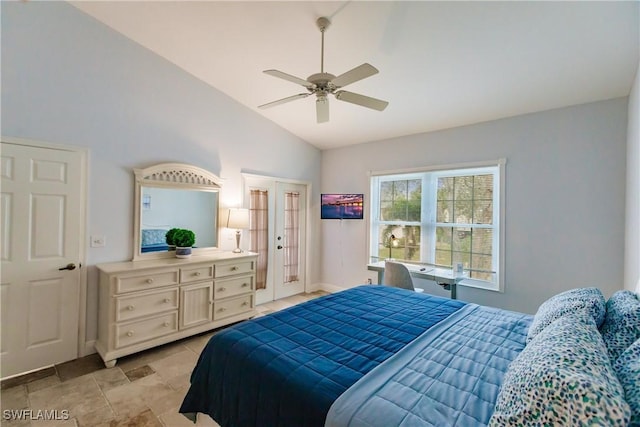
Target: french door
41	235
278	215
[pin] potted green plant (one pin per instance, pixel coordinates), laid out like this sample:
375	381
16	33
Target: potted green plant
184	240
169	238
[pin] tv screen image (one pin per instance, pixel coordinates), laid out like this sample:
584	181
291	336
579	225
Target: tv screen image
341	206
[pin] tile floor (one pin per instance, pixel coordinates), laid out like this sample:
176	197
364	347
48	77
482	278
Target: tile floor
144	389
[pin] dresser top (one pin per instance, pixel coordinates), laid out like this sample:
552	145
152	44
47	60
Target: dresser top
117	267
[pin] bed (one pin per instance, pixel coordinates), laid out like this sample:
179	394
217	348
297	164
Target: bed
382	356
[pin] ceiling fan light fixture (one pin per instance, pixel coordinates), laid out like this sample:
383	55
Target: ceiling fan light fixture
322	108
321	84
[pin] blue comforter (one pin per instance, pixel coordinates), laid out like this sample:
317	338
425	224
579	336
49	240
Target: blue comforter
449	376
287	368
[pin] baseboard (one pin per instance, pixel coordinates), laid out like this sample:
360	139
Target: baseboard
328	287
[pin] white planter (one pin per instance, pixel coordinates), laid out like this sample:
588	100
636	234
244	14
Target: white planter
183	252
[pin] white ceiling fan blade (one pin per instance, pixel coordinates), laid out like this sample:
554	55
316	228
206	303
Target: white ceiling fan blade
365	101
289	77
361	72
322	109
284	100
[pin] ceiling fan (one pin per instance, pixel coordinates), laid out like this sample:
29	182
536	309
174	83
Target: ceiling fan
322	84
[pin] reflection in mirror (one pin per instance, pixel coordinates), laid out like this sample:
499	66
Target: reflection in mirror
161	210
174	195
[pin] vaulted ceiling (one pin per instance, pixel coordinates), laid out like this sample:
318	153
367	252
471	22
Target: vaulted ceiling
441	64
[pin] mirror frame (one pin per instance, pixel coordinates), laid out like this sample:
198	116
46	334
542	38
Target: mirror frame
179	176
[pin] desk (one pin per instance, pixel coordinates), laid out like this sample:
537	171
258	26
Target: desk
442	276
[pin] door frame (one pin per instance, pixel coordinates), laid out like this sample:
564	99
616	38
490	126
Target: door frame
83	348
308	186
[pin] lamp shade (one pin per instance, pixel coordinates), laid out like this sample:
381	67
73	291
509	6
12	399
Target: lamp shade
237	218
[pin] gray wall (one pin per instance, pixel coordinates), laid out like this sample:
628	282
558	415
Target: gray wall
565	198
632	228
68	79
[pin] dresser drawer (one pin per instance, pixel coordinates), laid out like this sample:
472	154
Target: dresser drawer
143	330
231	287
138	305
196	274
148	280
224	269
230	307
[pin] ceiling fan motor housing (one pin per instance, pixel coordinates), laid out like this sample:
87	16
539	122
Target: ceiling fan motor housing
322	81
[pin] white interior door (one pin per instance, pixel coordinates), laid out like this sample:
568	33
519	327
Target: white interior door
281	278
41	232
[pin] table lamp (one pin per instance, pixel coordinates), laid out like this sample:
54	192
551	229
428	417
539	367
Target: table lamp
393	243
237	218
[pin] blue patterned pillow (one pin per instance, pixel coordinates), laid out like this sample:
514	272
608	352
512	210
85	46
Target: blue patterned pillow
628	369
563	377
581	299
153	236
621	326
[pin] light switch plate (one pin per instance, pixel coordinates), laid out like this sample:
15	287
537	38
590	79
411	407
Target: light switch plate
98	241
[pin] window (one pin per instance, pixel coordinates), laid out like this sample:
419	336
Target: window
441	217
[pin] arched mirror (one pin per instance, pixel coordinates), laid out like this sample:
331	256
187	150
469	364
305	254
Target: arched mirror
174	195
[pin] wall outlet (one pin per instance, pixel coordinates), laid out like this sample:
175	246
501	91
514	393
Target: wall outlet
98	241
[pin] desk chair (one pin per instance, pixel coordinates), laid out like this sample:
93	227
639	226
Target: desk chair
397	275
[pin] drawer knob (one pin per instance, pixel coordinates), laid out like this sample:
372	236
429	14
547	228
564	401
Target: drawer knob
197	273
244	285
150	280
234	268
222	289
222	309
166	324
130	333
130	308
167	300
211	302
244	304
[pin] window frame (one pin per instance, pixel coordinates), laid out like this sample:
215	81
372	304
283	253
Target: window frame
428	224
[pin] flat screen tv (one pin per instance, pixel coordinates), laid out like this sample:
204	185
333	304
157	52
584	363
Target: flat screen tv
341	206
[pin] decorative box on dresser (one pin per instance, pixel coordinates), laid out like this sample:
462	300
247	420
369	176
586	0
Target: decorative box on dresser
143	304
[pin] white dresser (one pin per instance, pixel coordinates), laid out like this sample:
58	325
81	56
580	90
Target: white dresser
143	304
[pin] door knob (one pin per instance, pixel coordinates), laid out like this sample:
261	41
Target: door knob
279	246
70	266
